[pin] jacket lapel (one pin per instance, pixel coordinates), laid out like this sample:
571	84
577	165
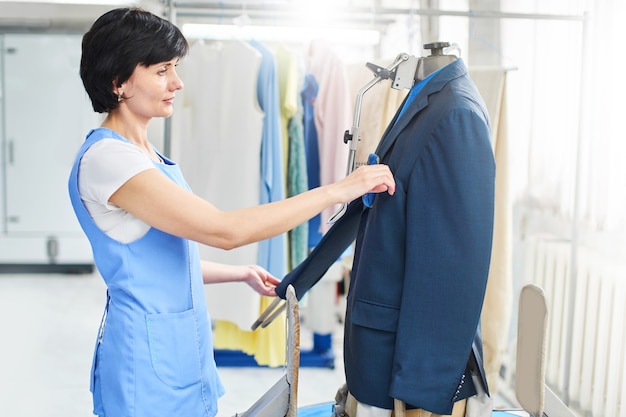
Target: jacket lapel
398	124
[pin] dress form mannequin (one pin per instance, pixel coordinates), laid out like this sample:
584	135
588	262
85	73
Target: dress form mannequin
436	60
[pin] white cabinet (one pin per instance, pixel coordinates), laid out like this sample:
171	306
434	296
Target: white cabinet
45	117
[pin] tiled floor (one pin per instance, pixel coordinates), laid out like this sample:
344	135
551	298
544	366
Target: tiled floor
48	325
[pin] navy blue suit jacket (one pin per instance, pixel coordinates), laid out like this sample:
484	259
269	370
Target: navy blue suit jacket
422	255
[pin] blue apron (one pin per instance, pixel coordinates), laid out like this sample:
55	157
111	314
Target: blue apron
154	352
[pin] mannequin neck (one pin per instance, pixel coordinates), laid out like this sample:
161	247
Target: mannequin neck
429	64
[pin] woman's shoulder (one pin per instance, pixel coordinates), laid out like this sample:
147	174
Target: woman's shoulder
111	156
111	149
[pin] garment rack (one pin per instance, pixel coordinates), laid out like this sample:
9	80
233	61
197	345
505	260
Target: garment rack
222	11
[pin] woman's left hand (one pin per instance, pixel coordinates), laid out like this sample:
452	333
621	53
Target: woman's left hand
261	281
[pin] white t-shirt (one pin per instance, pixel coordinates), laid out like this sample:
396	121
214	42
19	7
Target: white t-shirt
104	168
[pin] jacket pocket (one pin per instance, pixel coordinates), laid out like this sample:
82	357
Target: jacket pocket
375	316
174	348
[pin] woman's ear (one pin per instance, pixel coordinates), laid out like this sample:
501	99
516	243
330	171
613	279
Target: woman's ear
117	90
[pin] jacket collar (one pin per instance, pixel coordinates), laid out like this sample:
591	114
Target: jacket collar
448	73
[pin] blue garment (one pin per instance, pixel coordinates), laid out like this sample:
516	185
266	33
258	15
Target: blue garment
272	252
309	94
153	356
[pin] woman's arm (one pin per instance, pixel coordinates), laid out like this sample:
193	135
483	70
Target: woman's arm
158	201
256	277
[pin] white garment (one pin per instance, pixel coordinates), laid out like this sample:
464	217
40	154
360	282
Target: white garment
104	168
366	410
219	144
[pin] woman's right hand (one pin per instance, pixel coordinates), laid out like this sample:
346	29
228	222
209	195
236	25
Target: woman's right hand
365	179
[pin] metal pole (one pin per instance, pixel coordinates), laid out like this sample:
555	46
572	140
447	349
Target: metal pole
185	8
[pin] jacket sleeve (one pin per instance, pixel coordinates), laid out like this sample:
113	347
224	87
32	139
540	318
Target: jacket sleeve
450	201
327	251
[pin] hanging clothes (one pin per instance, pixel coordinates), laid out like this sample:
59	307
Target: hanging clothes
311	148
220	155
291	77
332	115
267	345
224	150
272	252
287	69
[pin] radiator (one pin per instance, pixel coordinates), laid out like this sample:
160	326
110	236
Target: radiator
587	369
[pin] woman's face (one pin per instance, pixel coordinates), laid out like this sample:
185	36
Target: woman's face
150	91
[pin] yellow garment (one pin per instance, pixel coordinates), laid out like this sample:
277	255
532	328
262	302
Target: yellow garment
288	83
260	343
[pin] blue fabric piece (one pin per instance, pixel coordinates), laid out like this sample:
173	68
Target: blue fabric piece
368	199
154	356
309	94
272	252
316	410
326	410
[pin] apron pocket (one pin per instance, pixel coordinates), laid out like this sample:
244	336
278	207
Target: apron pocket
174	348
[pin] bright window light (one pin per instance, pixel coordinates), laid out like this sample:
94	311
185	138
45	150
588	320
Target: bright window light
78	2
281	33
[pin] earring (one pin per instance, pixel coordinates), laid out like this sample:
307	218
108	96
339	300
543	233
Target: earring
119	96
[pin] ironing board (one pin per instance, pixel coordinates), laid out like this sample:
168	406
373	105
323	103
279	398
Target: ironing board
281	400
530	387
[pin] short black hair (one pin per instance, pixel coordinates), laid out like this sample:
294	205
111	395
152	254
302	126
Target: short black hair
117	42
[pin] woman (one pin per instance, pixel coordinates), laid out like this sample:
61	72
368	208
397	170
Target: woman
153	355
